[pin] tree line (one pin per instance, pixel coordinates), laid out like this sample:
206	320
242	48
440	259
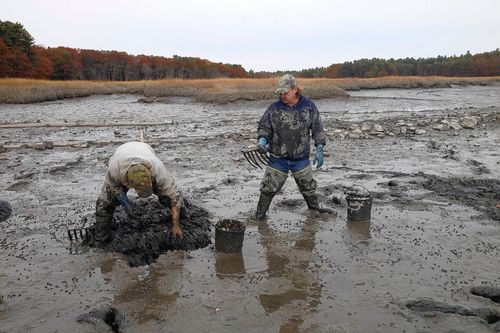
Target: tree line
481	64
20	57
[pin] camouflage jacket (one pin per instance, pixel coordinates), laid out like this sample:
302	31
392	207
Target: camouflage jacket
288	129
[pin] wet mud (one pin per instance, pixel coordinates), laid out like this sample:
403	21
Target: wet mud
426	261
144	239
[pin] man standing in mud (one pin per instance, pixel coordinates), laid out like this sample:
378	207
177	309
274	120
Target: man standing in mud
135	165
284	131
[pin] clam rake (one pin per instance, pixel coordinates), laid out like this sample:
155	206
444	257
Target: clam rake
256	158
81	234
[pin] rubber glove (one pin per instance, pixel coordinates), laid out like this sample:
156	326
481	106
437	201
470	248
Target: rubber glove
318	160
262	145
122	198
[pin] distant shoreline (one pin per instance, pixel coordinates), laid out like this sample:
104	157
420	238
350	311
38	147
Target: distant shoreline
218	91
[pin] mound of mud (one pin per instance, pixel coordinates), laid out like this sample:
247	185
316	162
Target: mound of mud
481	194
143	240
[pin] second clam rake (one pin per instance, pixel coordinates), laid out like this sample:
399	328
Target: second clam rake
81	234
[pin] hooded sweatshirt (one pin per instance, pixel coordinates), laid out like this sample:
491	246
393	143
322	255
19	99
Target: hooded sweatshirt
132	153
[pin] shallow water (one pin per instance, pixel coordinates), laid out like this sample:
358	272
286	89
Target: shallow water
298	272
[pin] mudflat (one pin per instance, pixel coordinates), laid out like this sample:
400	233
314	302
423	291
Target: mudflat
427	261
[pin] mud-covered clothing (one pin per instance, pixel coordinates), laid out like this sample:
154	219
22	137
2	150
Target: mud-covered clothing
133	153
115	182
274	180
288	129
284	165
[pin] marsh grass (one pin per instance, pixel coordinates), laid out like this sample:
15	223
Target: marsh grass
214	90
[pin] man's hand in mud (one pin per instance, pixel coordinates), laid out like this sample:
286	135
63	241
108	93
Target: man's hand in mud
177	232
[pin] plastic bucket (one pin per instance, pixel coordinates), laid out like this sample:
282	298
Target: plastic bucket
229	236
359	204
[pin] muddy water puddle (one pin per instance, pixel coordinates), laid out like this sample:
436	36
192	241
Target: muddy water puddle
298	271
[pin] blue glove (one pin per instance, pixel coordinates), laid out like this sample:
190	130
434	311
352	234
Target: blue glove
122	198
262	145
318	160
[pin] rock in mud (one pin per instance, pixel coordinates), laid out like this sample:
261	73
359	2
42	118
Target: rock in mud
492	293
5	210
104	320
143	240
3	306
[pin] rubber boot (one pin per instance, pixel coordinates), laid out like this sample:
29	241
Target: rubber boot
102	233
313	204
263	206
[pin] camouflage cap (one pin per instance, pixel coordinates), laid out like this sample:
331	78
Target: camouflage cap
139	177
285	83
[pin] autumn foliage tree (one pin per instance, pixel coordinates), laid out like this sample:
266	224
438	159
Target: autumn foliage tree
19	57
481	64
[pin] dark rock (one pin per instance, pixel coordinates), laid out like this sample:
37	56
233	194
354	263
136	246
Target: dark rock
103	319
336	200
393	183
5	210
492	293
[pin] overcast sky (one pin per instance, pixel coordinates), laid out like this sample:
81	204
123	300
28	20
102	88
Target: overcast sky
264	34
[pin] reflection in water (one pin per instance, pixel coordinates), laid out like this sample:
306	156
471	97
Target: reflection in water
357	236
152	292
229	265
293	288
359	231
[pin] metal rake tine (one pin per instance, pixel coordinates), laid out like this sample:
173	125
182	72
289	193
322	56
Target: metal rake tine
257	158
266	158
89	232
246	157
261	158
245	153
252	156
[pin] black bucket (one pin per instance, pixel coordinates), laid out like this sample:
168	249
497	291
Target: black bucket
229	236
359	204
